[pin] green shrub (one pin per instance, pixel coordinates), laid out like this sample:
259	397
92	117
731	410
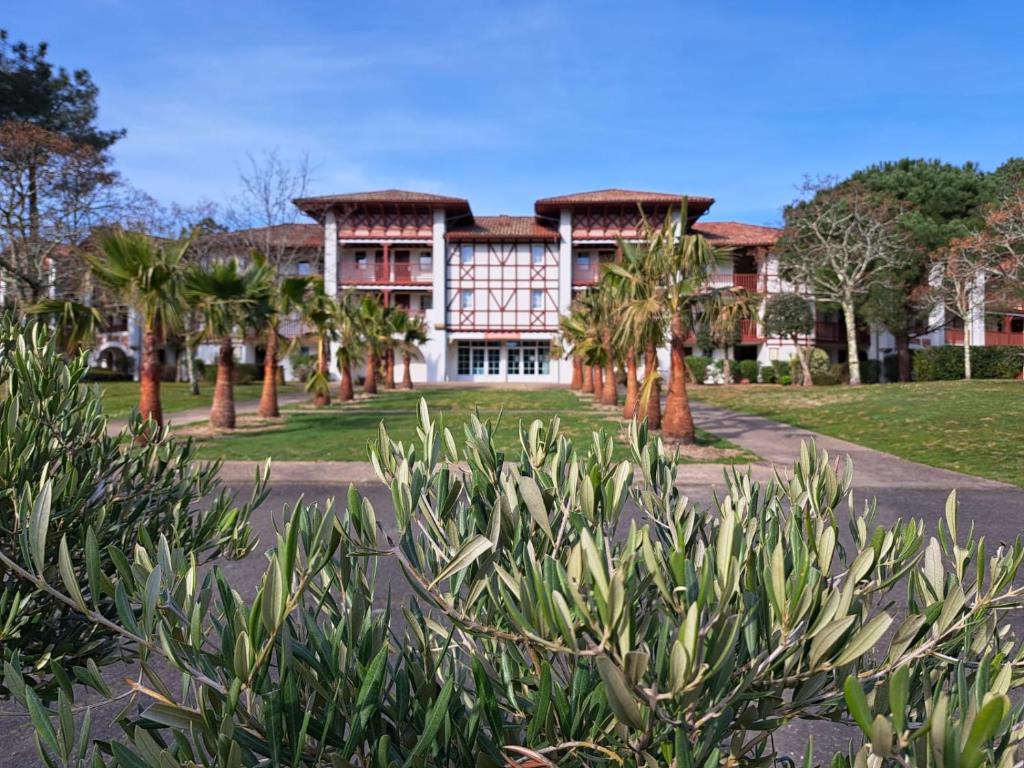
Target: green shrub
698	368
543	623
247	373
869	371
785	380
768	375
747	369
996	362
891	366
199	365
781	369
947	363
67	483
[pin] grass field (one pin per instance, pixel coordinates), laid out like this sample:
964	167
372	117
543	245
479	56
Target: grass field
342	432
119	397
976	427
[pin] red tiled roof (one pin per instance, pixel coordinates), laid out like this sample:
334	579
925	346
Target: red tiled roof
503	228
313	205
734	233
287	235
623	197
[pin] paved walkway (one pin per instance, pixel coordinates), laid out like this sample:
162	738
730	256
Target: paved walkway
192	415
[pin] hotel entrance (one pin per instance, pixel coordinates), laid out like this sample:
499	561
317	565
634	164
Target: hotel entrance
515	361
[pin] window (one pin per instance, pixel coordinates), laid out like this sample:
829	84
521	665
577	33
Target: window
304	268
361	260
467	299
537	254
536	299
477	358
529	358
583	258
426	301
426	261
466	254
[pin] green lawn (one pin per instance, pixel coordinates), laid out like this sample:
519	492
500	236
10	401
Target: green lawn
119	397
342	432
975	427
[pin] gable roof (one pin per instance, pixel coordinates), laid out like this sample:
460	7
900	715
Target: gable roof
297	235
736	234
697	204
497	228
317	205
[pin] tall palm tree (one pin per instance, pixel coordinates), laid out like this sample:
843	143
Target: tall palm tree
321	312
147	276
673	269
628	337
375	332
282	300
231	300
573	334
723	311
413	331
352	343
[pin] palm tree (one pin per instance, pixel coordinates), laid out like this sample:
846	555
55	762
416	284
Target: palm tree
628	337
285	297
375	332
352	343
231	300
76	325
321	312
572	336
413	332
673	270
147	277
723	311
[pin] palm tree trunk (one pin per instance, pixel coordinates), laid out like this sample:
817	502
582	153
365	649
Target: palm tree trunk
727	369
598	382
654	398
389	369
678	421
610	395
588	379
370	384
222	412
346	391
268	396
577	374
322	397
632	386
149	379
406	371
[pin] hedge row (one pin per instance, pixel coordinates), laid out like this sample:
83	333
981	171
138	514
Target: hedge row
947	363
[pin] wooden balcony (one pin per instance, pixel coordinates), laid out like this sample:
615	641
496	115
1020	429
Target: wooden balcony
385	274
751	281
748	332
828	330
955	336
999	338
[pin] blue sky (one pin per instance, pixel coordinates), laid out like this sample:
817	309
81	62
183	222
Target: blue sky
503	103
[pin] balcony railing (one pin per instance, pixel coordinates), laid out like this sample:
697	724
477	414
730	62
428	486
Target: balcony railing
1001	338
748	330
955	336
402	274
750	281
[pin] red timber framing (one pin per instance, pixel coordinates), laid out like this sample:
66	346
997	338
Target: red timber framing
609	223
387	221
510	293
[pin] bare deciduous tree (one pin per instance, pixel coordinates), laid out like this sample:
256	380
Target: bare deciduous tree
264	205
839	243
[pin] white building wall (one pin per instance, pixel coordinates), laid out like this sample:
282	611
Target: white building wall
435	351
330	273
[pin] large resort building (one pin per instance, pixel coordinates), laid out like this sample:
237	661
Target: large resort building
492	288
